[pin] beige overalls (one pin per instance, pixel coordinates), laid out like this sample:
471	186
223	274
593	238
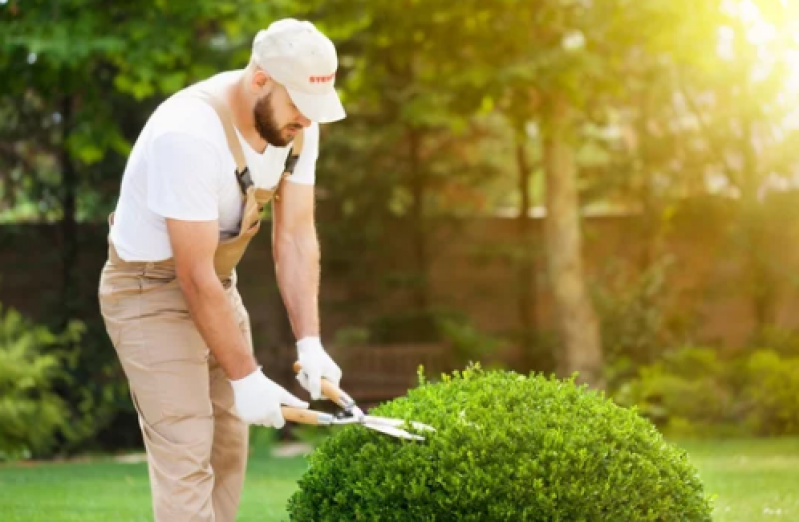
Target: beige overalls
196	446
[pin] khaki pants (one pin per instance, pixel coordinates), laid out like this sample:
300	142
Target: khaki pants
196	446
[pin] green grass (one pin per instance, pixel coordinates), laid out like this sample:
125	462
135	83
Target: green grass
754	480
109	491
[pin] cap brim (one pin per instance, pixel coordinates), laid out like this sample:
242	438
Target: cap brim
321	108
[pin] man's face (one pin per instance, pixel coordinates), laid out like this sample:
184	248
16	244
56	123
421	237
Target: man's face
277	119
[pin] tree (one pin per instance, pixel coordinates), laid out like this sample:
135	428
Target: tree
567	66
742	107
404	152
82	76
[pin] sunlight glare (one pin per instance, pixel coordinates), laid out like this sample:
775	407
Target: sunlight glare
748	11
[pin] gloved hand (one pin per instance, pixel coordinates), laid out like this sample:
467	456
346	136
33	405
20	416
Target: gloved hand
316	364
258	400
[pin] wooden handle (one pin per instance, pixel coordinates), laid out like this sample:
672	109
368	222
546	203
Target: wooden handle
314	418
331	391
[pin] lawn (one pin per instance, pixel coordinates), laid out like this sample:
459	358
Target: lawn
754	481
111	491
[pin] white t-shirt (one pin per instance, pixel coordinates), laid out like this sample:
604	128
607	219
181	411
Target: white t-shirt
181	168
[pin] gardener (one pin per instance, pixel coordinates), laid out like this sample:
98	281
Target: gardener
206	163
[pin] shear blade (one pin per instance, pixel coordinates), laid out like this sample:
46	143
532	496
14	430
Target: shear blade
396	423
394	432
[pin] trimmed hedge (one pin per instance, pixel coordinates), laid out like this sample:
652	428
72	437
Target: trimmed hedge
508	447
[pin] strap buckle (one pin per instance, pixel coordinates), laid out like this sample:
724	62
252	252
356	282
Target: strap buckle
245	179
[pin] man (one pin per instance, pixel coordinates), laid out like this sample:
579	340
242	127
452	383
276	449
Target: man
204	166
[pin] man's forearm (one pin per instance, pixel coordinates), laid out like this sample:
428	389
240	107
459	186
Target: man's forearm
216	321
297	255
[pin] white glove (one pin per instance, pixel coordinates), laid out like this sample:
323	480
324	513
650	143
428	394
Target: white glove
316	364
258	400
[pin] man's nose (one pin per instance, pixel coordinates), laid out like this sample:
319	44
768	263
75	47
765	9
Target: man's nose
302	120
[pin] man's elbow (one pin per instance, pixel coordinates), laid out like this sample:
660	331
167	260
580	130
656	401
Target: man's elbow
196	281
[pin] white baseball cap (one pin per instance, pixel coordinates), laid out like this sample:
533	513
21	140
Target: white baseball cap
304	60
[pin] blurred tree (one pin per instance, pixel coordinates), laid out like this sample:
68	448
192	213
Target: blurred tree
569	66
714	119
403	153
455	109
743	106
530	62
80	78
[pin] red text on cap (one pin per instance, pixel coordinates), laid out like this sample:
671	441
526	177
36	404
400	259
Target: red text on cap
322	79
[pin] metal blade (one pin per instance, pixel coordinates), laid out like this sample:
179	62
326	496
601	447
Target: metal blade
385	421
394	432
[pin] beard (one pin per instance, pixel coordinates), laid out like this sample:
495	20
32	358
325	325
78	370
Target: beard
268	127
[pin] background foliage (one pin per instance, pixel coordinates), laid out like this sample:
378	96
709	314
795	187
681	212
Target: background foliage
672	114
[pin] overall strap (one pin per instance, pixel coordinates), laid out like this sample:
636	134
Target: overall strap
294	154
242	171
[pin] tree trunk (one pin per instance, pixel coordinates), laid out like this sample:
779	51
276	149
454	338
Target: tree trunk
418	188
68	225
526	273
760	280
762	286
577	322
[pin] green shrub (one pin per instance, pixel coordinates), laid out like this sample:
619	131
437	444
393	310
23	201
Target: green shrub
784	341
508	447
468	342
668	393
695	392
32	414
771	394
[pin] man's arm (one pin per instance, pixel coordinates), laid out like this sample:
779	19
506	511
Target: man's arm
257	399
193	246
297	255
296	251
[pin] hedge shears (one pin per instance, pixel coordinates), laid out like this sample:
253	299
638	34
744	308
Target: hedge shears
351	414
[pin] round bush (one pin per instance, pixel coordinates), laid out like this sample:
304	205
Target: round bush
507	447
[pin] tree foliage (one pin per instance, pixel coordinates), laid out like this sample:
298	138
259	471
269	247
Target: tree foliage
450	104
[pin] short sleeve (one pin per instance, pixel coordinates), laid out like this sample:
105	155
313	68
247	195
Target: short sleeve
305	169
183	177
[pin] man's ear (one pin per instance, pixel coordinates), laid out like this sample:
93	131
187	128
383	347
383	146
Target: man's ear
260	81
